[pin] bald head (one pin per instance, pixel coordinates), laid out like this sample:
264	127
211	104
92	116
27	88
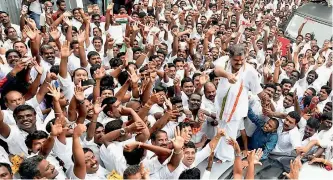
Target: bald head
14	99
210	91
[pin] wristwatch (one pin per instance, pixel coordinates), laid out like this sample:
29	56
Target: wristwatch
122	131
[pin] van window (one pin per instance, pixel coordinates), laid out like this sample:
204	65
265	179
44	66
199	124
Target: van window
320	31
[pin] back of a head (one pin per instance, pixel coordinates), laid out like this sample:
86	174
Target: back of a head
134	157
29	167
193	173
130	171
295	115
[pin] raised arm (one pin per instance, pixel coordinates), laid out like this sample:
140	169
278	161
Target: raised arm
34	86
78	154
238	168
177	156
92	127
301	27
56	130
79	95
65	53
82	53
4	128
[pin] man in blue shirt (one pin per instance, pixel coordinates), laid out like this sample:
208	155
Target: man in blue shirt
265	135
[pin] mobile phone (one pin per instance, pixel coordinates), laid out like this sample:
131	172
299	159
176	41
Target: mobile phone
88	82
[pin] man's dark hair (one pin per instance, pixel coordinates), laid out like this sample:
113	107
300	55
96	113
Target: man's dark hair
98	125
153	136
327	89
193	173
122	77
307	100
313	91
91	54
195	75
59	2
10	51
236	50
7	29
295	115
131	170
107	81
185	80
115	62
113	125
134	157
286	81
270	85
55	69
160	88
182	125
108	101
190	144
37	135
313	123
23	107
175	100
29	167
326	116
178	60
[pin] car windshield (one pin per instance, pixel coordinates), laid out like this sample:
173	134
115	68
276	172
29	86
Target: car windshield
320	31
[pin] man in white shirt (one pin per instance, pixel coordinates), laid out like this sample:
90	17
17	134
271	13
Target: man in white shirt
323	97
288	139
6	23
45	169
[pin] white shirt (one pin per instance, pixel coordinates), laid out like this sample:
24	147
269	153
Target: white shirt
112	156
199	157
287	141
100	174
322	104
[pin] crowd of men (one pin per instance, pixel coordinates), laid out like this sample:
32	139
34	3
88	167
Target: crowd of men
163	89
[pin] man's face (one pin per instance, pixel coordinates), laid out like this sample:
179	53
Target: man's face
20	47
62	6
326	124
189	156
13	58
37	145
97	32
47	170
5	174
288	102
162	140
92	164
95	60
179	66
270	126
307	37
299	39
89	107
194	102
210	92
270	91
289	67
323	95
278	92
286	88
12	34
188	88
96	20
26	120
4	18
310	78
14	99
97	44
49	56
309	132
308	92
106	94
327	108
237	62
99	133
172	72
289	123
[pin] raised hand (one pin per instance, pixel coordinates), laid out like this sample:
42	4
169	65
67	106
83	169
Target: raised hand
38	68
234	144
295	166
255	156
98	105
31	33
232	78
31	23
99	73
51	76
65	50
203	78
167	103
79	92
54	33
81	37
54	92
79	130
179	141
67	21
131	146
134	77
56	129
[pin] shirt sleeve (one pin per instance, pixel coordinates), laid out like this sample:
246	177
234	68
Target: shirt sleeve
295	138
67	86
202	155
254	82
269	146
254	118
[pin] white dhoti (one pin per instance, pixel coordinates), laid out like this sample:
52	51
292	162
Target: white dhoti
224	151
